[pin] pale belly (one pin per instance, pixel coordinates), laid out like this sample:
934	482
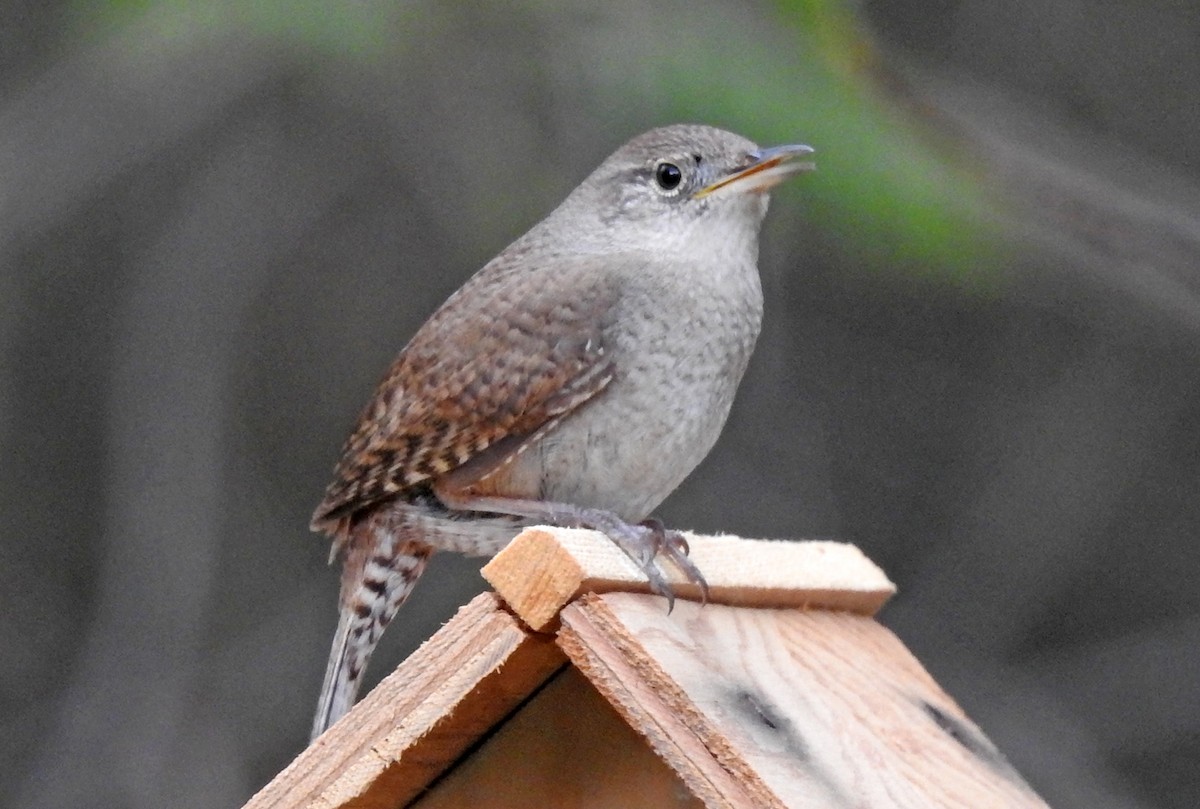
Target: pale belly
628	449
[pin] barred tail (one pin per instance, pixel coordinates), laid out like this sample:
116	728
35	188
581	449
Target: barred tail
381	566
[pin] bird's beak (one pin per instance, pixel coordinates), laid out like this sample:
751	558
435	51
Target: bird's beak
769	168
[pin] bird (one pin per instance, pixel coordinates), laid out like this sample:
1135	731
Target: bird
575	380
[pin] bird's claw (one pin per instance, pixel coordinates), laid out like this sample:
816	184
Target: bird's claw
674	546
643	543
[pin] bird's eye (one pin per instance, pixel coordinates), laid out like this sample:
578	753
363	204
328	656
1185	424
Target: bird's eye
668	176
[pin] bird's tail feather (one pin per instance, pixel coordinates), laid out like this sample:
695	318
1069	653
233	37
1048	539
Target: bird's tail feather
340	689
382	565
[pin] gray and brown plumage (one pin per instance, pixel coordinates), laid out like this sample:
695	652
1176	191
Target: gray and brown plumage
576	379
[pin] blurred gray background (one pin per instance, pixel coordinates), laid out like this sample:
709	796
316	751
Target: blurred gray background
220	221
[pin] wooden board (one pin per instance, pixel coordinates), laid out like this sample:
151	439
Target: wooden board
717	705
779	708
545	568
566	748
422	717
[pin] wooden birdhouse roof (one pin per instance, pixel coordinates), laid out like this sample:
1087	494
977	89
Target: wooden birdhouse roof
567	687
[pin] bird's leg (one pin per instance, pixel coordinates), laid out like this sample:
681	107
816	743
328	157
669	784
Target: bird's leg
641	542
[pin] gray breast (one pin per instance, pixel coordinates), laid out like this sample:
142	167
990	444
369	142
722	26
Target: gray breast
680	342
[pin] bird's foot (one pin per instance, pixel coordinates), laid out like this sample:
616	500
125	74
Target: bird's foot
643	543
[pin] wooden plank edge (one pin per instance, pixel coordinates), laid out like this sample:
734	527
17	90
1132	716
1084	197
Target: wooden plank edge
658	709
427	712
545	568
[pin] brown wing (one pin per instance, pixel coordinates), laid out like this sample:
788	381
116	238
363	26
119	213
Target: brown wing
506	355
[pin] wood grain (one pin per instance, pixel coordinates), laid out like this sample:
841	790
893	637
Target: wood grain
765	707
657	708
420	718
544	568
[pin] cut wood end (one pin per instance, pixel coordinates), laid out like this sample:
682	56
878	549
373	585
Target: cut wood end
544	568
542	575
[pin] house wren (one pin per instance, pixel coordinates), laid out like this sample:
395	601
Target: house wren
576	380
